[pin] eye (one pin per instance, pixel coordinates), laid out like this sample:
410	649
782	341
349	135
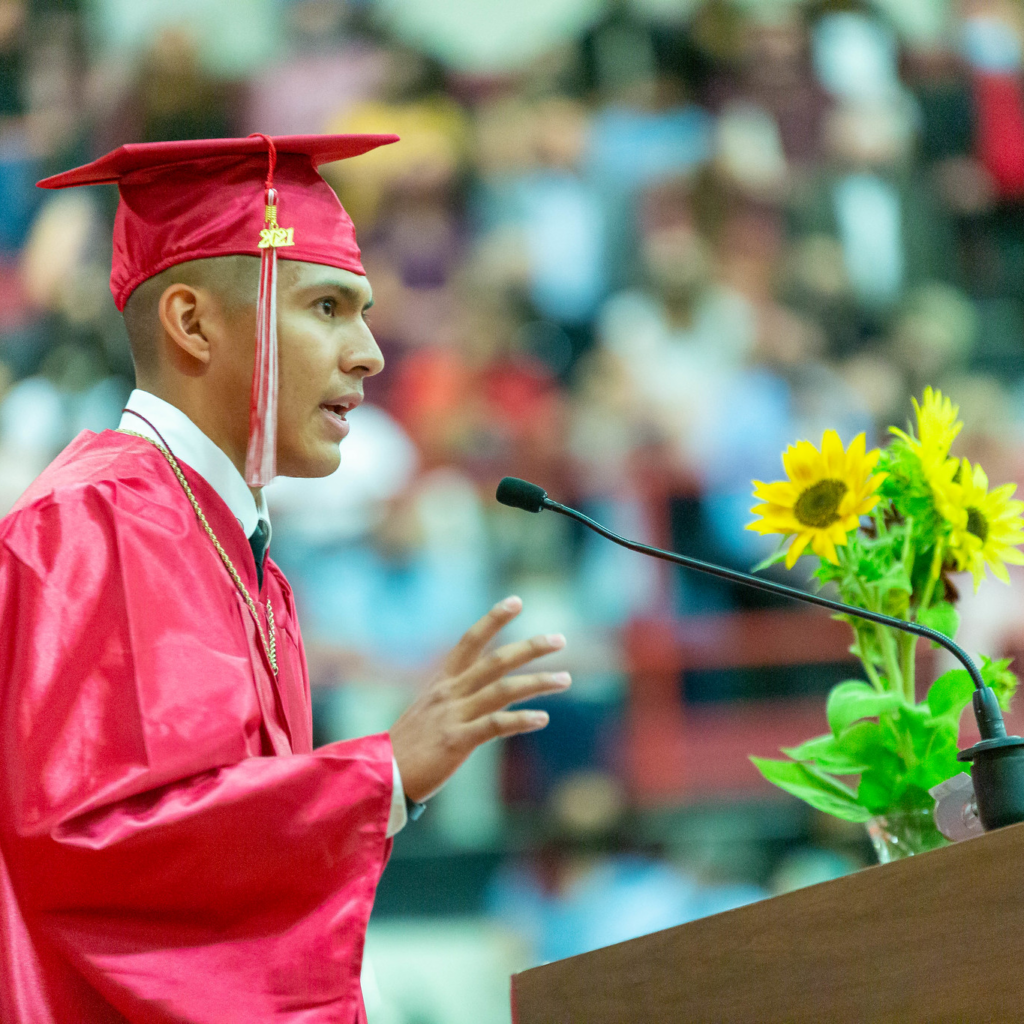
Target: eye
326	306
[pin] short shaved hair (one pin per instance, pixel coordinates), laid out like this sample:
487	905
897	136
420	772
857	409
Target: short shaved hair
233	279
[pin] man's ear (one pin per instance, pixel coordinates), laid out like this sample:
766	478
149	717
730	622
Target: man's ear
182	310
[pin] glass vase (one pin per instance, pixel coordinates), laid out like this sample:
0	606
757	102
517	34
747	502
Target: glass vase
900	834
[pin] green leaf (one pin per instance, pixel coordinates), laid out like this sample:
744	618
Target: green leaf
942	617
866	646
952	691
997	674
864	741
778	555
939	762
879	790
926	745
950	694
894	577
916	724
828	754
910	798
815	788
853	700
910	494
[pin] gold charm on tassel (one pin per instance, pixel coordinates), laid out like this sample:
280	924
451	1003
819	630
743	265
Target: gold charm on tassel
272	236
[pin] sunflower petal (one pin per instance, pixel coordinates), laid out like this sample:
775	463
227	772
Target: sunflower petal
796	549
822	545
838	532
1013	556
832	453
855	453
998	570
781	492
802	462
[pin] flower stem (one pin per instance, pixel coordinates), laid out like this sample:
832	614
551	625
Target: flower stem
872	674
908	650
933	574
889	654
886	643
879	520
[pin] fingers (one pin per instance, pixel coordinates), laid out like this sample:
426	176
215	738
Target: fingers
479	635
512	689
506	659
503	723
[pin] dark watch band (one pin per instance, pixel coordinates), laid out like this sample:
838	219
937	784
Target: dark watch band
414	810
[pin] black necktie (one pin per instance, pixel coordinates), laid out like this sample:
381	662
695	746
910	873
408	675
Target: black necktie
258	542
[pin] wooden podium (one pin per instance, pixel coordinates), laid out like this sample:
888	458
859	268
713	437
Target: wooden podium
934	938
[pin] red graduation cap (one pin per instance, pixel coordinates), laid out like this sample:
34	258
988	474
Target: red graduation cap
257	196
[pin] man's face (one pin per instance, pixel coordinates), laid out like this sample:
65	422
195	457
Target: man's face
325	350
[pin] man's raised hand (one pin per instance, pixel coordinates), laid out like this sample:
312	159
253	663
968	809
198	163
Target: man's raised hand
467	703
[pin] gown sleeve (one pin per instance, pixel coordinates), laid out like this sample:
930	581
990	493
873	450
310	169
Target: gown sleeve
182	879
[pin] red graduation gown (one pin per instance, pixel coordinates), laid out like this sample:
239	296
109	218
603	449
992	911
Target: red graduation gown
172	848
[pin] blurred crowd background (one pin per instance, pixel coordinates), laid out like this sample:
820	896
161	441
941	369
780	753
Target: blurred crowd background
630	250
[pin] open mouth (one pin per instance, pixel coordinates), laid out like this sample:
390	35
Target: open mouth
335	410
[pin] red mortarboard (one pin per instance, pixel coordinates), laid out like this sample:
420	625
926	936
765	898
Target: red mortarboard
190	200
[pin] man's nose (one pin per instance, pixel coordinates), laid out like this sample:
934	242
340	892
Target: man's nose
365	358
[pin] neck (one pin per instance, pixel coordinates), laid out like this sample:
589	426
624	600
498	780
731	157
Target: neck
218	420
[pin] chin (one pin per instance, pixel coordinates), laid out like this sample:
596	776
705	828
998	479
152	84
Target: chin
311	461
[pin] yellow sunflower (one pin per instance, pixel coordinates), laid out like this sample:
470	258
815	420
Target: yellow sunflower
987	525
943	477
937	427
822	501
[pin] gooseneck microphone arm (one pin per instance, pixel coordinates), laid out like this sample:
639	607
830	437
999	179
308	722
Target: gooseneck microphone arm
531	498
777	588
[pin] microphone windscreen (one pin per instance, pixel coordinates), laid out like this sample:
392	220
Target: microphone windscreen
521	494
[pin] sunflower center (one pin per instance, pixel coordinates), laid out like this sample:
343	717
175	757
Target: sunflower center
819	505
977	524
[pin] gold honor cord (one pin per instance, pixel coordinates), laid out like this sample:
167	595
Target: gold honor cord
269	647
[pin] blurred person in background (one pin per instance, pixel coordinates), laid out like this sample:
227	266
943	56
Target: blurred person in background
594	881
775	75
679	341
868	199
173	96
195	851
327	66
539	212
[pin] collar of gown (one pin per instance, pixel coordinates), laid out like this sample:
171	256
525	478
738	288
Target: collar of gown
189	444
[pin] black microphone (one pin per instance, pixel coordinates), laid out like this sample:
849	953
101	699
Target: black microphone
518	493
998	772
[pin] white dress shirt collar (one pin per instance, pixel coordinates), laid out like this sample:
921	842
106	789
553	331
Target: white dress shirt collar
189	444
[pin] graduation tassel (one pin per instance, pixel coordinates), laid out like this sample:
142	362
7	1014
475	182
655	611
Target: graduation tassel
261	455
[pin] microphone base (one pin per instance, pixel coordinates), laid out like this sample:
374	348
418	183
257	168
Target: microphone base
998	777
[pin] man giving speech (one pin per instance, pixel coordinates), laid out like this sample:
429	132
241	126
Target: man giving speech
172	849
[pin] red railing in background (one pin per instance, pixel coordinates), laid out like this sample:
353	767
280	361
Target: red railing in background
677	751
